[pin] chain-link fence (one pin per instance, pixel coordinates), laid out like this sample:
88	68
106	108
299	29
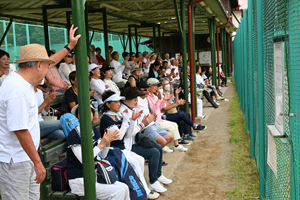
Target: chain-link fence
280	72
22	34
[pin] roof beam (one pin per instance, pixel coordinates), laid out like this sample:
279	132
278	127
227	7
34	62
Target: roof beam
26	10
110	7
14	1
124	1
148	11
138	5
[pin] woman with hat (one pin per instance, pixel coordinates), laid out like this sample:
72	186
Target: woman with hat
112	120
118	68
153	154
97	84
106	75
155	72
135	77
116	191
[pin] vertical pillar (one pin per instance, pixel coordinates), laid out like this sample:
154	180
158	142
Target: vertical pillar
171	45
261	99
194	63
159	40
212	35
163	46
105	32
87	33
154	39
46	30
184	51
246	97
68	18
136	39
228	55
27	34
129	38
14	39
223	46
84	101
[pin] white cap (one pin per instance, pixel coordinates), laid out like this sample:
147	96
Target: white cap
74	109
114	97
172	59
92	66
152	81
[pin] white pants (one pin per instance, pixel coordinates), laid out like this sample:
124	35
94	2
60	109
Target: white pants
17	181
171	127
199	106
116	191
137	163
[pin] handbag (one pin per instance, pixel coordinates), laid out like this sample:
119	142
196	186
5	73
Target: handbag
50	116
172	111
144	140
59	176
106	174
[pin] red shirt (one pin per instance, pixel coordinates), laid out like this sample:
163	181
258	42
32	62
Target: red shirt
101	59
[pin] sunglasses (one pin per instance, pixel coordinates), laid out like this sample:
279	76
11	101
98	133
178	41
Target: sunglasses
144	89
69	56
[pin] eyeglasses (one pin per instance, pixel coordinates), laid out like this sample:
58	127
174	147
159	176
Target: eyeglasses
69	56
144	89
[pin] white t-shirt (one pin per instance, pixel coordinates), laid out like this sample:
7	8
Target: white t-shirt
40	99
4	76
143	106
113	86
199	79
218	70
117	71
99	86
18	111
168	71
169	62
93	58
147	68
64	70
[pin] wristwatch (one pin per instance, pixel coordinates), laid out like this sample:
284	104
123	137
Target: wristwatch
66	47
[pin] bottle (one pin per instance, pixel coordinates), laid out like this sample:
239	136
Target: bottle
95	104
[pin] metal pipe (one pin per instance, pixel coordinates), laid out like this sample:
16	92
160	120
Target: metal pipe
129	38
218	48
136	39
46	31
84	102
192	80
105	35
154	39
6	31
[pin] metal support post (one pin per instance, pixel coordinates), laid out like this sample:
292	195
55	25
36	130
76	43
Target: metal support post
228	55
171	45
14	39
163	46
261	99
27	35
193	72
212	35
129	38
84	102
223	42
184	51
105	32
136	39
6	31
87	32
159	40
246	69
92	37
154	39
46	30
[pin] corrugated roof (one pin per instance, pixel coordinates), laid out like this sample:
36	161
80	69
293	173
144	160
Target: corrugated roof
121	13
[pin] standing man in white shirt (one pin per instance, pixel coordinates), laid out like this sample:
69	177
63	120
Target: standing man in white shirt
21	169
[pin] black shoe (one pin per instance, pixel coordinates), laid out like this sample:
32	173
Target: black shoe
200	128
164	163
181	141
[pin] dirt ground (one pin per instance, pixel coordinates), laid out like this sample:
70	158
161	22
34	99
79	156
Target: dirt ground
204	171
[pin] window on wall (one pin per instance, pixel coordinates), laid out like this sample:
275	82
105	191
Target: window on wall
279	85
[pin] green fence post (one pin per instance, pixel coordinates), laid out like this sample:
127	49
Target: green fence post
184	51
212	35
46	30
261	99
251	78
246	68
129	38
136	39
154	39
84	102
105	34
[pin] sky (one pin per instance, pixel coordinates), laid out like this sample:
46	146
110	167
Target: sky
243	3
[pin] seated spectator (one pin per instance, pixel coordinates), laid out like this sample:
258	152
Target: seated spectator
155	72
173	73
118	68
110	50
222	77
4	65
112	120
49	129
93	58
153	154
97	84
210	88
135	77
167	59
117	190
106	74
156	103
66	67
146	68
128	65
70	98
178	117
101	60
139	58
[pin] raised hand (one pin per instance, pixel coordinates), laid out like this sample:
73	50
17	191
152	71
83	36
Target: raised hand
136	115
50	97
168	96
178	90
106	86
109	137
148	119
125	111
72	39
180	102
92	93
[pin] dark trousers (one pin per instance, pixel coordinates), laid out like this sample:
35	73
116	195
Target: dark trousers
181	119
224	80
155	159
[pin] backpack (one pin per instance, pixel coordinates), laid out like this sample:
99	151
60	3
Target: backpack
127	175
68	122
59	176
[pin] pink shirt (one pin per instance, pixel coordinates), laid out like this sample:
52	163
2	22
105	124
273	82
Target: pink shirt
54	79
155	105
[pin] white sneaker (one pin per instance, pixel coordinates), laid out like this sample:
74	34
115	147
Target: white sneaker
220	98
153	195
162	179
157	187
180	148
167	149
217	102
225	100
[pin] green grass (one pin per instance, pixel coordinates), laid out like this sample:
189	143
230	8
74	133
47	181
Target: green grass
244	171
